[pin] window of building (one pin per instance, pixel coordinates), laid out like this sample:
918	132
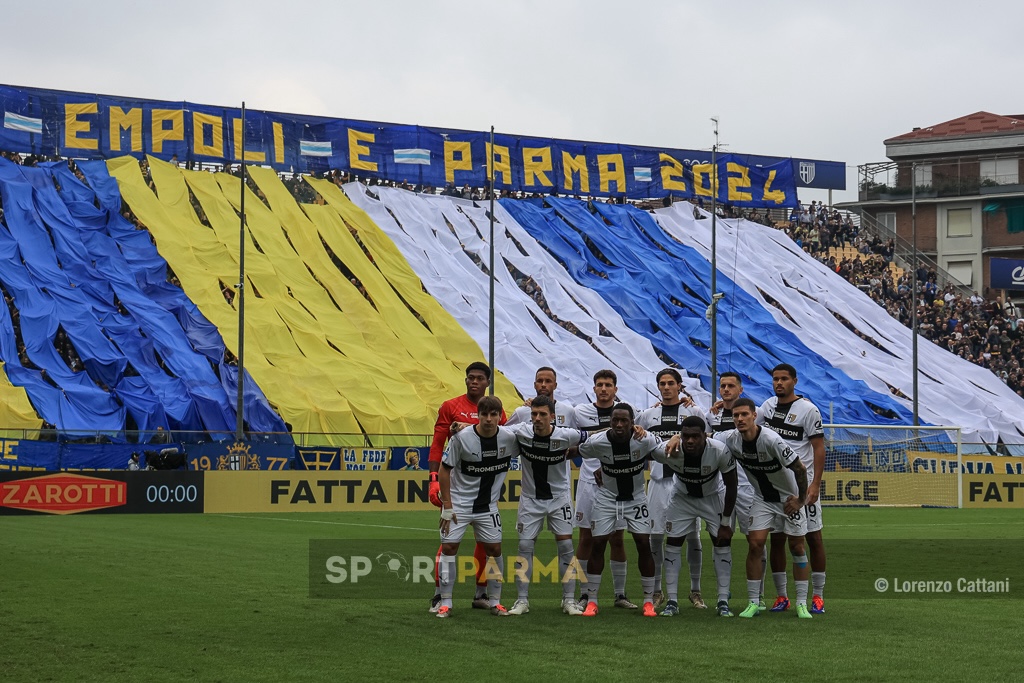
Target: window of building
962	271
888	220
958	223
923	175
999	171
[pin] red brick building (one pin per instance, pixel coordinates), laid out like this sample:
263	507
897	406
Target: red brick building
968	180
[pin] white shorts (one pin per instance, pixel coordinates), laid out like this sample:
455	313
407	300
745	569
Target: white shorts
813	514
744	499
770	516
608	514
533	512
585	502
486	527
659	494
685	512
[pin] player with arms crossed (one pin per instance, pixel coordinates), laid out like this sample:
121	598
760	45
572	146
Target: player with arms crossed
545	496
594	417
620	497
719	419
780	491
664	421
698	493
472	472
461	409
798	421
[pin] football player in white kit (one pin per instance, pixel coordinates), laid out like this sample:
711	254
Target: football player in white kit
595	417
719	419
704	487
545	496
664	421
780	492
472	472
798	421
620	498
545	382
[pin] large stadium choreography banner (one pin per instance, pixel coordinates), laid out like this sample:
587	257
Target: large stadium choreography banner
81	125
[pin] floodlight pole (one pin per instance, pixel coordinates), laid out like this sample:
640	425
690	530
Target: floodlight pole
240	405
490	297
713	307
913	267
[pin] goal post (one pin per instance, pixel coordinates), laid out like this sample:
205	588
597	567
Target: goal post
887	466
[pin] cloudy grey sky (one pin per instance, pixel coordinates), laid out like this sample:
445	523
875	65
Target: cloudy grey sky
803	79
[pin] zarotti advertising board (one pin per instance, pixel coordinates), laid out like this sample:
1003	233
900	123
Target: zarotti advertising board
68	493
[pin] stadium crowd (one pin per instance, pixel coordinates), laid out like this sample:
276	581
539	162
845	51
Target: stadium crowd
986	333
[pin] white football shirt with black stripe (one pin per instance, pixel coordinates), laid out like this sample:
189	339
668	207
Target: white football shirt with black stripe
479	465
722	421
592	419
698	475
622	464
542	461
665	422
796	422
565	415
766	461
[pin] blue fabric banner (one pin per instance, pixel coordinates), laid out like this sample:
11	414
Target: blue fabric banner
89	126
1006	273
78	271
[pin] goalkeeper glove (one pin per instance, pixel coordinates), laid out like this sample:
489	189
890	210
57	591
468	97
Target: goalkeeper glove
434	492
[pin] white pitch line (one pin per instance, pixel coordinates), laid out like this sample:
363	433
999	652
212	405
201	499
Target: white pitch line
320	521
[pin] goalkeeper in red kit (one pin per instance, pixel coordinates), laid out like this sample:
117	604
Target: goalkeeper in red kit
460	409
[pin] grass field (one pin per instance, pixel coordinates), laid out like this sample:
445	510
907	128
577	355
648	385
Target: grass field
226	598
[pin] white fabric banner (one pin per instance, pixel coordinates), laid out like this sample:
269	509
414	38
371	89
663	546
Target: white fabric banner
953	391
437	234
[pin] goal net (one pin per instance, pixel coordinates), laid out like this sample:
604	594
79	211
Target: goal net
874	465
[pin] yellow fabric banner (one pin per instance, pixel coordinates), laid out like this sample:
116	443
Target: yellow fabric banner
16	411
328	357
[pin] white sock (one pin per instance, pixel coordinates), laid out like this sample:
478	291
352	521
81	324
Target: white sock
647	584
446	578
694	558
780	584
723	570
801	592
753	586
619	577
818	583
494	584
565	554
658	552
673	558
584	583
524	566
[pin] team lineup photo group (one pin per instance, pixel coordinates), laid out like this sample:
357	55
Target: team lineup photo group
660	474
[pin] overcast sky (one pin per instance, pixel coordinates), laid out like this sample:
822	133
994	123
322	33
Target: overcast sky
802	79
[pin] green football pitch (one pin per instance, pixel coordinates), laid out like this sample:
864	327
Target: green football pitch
227	598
